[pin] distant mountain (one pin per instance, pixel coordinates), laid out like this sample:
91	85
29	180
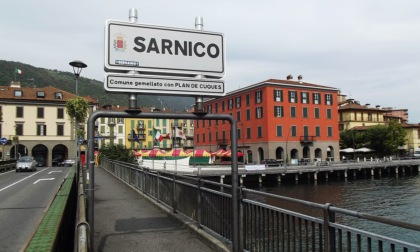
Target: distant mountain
41	77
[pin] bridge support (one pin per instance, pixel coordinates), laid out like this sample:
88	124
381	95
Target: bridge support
278	178
345	174
372	172
315	176
296	177
221	179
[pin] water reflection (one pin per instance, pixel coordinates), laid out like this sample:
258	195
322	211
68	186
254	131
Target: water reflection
396	198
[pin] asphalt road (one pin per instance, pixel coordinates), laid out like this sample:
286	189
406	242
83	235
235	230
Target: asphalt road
24	199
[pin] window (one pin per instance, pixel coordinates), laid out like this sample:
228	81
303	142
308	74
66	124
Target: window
112	120
58	95
292	111
316	98
260	133
40	94
102	129
278	111
60	113
209	109
60	130
305	112
238	102
40	112
41	130
259	112
102	119
247	98
19	129
328	99
216	107
217	135
248	133
279	131
238	116
317	131
305	97
18	93
230	104
248	114
223	105
329	131
329	115
19	112
294	131
120	129
239	135
258	96
120	120
198	138
316	112
204	137
305	132
293	97
278	95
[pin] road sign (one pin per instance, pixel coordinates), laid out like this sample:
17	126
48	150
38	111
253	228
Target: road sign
132	83
3	140
81	140
167	50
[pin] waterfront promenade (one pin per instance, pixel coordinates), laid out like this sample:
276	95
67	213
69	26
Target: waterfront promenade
125	220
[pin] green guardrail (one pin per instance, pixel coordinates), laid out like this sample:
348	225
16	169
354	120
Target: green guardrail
56	231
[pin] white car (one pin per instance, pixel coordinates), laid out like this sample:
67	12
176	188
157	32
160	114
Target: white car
68	163
26	164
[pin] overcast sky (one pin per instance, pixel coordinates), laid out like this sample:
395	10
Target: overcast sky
370	50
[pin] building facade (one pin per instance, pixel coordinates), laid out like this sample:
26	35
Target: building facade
276	119
35	122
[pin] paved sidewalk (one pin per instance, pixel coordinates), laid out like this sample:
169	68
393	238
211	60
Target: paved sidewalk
126	221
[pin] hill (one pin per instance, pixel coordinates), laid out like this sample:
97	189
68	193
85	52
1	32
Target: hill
41	77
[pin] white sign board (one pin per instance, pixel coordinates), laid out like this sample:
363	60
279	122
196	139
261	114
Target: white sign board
156	49
134	83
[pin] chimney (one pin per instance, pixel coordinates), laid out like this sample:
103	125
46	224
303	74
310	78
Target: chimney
289	77
300	77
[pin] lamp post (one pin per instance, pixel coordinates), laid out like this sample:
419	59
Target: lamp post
77	69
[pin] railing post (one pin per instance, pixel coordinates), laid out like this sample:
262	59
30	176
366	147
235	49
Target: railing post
329	232
199	203
241	220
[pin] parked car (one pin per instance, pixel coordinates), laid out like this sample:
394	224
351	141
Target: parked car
57	161
271	162
26	164
40	161
68	163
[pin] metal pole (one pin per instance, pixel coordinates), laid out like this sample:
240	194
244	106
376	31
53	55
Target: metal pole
75	127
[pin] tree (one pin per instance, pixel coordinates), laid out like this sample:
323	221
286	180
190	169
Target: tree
117	152
352	139
396	136
375	137
77	108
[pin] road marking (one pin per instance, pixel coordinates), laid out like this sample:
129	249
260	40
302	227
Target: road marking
53	171
4	188
43	179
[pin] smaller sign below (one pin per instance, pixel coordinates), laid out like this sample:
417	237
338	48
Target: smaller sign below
134	83
3	140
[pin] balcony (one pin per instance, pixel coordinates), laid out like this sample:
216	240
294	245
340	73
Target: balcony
223	142
139	136
307	139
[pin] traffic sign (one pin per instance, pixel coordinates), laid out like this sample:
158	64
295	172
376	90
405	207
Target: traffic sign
81	140
134	83
3	140
163	50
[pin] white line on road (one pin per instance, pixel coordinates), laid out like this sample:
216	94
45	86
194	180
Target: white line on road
4	188
43	179
53	171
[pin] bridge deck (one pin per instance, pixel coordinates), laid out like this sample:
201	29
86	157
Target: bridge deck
127	221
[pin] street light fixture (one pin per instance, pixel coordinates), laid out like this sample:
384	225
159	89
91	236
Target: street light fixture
77	69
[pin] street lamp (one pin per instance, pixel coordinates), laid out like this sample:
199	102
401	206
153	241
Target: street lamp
77	69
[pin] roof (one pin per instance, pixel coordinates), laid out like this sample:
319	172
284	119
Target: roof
356	106
45	94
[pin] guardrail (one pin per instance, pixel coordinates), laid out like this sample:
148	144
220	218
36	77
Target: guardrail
263	227
7	165
56	231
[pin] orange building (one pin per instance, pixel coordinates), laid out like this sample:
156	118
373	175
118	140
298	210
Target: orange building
276	119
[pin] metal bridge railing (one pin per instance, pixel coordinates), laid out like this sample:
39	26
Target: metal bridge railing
263	226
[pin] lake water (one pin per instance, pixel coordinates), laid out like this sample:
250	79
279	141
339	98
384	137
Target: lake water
396	198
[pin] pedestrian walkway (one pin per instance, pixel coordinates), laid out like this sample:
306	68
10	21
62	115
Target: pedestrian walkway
126	221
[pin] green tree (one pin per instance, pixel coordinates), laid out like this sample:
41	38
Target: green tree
117	152
376	137
352	139
77	108
396	136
